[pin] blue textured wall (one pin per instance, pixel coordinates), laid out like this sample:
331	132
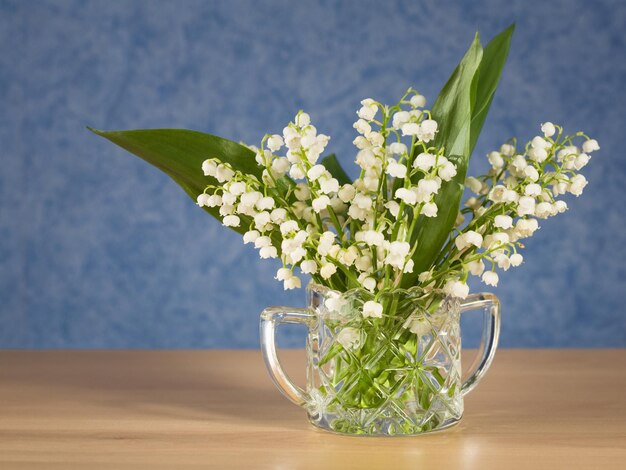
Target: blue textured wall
99	250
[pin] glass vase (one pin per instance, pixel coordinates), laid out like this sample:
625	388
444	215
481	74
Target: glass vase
396	374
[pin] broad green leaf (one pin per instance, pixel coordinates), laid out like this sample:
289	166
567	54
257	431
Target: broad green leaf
334	167
453	112
433	232
489	73
179	153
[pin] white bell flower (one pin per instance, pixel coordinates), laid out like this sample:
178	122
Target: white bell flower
328	270
362	127
502	260
467	239
265	203
278	215
497	193
214	200
495	240
202	200
447	171
581	161
406	195
263	241
228	198
316	172
209	167
245	210
320	203
368	283
476	267
361	143
293	250
507	150
393	207
397	254
368	110
400	118
372	309
591	145
539	142
288	227
543	210
251	198
328	186
262	219
302	192
395	169
223	173
370	182
519	163
283	273
456	288
548	129
325	242
526	206
308	266
280	166
429	209
231	221
418	101
474	184
226	209
237	188
503	221
357	213
427	130
349	338
366	159
490	278
370	237
538	154
362	201
346	193
292	283
495	159
363	263
398	148
296	172
302	120
526	227
268	252
410	128
516	259
250	236
533	190
560	206
577	184
275	142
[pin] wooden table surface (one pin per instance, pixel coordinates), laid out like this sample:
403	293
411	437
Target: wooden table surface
218	409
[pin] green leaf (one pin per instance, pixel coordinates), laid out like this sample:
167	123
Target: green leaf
460	109
489	73
179	153
334	167
453	112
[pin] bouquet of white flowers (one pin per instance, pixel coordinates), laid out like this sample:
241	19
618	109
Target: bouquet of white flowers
400	224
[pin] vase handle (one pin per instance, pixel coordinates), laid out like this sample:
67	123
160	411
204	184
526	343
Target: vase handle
270	318
490	305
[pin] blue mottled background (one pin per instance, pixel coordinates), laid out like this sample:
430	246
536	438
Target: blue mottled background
100	250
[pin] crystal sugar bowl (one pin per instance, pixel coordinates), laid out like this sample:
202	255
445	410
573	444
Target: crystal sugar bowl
397	373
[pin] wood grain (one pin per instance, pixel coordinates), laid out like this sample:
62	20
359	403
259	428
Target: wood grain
218	409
